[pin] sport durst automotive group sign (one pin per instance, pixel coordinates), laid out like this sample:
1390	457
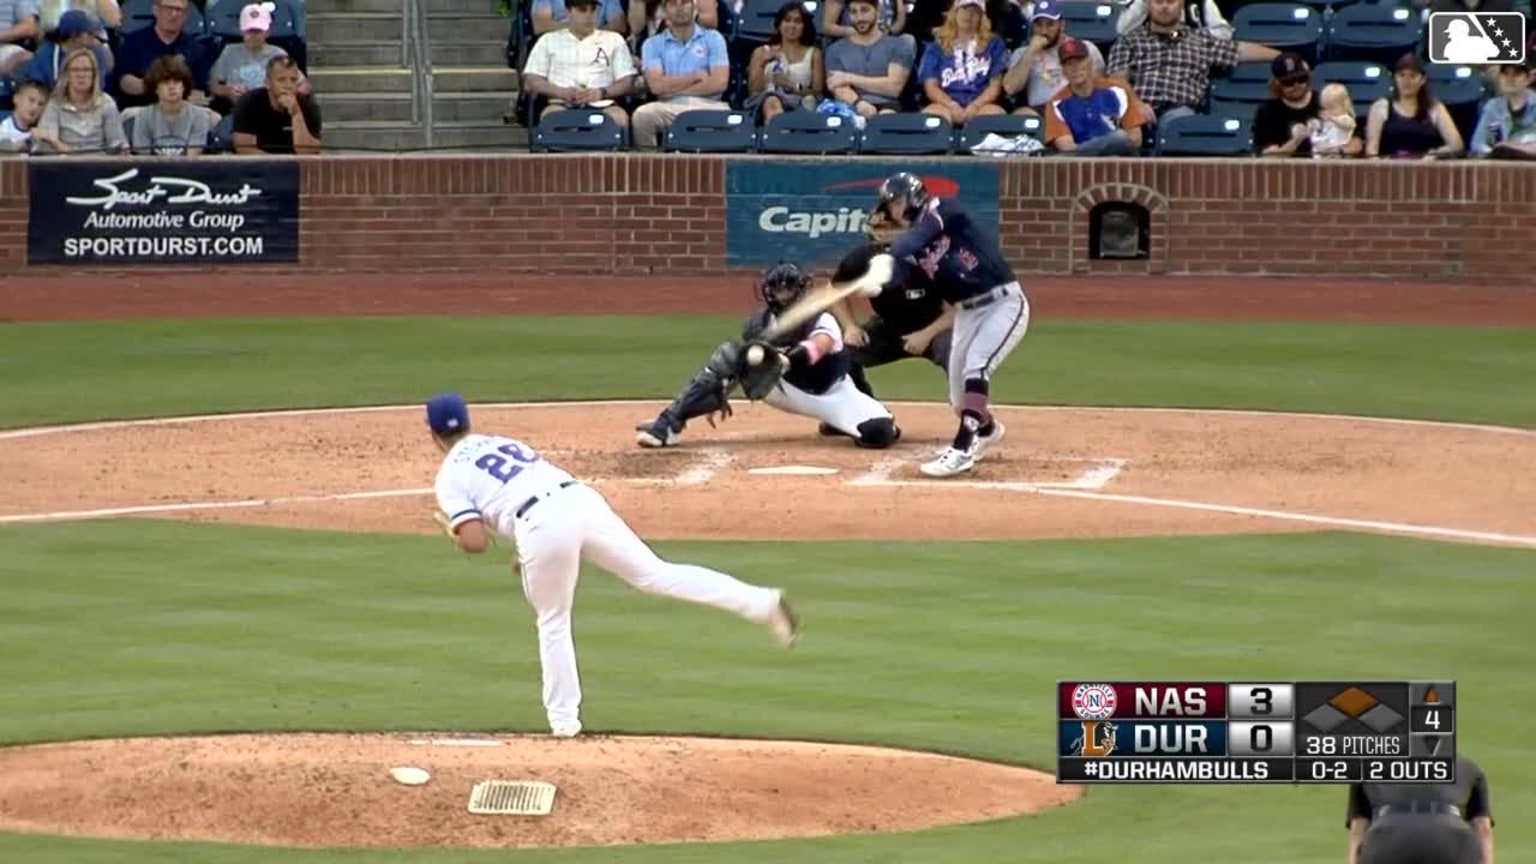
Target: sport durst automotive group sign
163	212
814	212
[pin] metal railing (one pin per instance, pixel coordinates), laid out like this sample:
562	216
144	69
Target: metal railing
418	50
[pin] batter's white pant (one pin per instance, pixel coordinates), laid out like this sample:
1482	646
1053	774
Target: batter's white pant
843	405
984	337
553	537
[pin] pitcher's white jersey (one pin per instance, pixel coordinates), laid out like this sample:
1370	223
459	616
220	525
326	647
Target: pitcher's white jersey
489	476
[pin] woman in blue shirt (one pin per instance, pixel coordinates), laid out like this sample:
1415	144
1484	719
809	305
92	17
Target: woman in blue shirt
962	69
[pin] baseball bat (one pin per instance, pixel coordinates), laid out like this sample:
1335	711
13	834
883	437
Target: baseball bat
812	304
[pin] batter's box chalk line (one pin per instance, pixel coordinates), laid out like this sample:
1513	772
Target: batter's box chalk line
706	462
1096	474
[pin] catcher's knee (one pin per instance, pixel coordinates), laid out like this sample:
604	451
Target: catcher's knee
878	433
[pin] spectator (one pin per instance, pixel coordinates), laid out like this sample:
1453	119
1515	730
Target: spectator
107	12
142	47
277	118
551	15
649	17
1092	116
581	66
170	127
18	25
890	17
869	69
80	118
1198	15
1169	63
27	109
1506	127
1034	71
686	67
788	72
962	69
1411	123
242	67
76	29
1283	126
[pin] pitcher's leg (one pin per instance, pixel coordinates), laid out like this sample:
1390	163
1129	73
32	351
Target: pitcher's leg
613	546
551	563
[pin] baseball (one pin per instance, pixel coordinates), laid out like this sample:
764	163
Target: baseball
755	355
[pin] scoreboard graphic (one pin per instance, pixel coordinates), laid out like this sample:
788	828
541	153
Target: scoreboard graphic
1261	732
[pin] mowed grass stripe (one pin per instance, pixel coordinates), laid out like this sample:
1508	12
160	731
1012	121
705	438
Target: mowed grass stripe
77	371
946	647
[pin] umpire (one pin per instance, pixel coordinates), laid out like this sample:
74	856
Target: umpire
909	320
1401	823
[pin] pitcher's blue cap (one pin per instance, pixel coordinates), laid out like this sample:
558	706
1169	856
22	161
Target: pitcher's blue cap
447	414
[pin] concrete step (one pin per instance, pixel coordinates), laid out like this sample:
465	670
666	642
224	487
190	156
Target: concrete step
463	79
345	27
469	50
470	107
374	137
357	54
478	136
373	107
457	28
349	6
361	79
461	7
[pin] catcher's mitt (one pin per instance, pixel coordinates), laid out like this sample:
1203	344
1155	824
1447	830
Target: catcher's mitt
758	379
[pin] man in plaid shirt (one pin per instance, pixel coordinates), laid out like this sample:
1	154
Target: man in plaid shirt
1169	63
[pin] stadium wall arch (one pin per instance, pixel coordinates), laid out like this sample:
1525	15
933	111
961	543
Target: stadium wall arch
693	214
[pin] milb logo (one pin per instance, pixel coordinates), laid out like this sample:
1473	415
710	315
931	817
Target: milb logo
1477	38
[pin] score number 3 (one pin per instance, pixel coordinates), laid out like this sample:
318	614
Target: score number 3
505	469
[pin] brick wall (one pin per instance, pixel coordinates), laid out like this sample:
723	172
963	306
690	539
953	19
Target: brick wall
666	214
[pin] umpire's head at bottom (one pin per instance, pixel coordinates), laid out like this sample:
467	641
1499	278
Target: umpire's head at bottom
1401	823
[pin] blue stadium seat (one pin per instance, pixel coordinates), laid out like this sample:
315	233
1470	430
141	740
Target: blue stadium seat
1283	26
710	131
1006	125
1367	82
907	134
1463	90
1379	32
1244	111
809	132
576	131
1203	135
1091	21
7	94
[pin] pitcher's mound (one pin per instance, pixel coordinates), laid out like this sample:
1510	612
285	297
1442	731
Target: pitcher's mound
336	790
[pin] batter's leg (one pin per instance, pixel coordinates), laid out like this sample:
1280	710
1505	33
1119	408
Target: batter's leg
614	546
551	562
998	329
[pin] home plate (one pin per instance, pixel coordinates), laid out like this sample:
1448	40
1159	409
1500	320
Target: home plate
793	469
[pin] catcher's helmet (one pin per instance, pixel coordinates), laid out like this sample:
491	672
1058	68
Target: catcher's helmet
782	285
907	189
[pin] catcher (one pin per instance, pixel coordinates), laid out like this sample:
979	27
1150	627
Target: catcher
802	372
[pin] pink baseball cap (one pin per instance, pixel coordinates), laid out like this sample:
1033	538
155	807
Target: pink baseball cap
257	16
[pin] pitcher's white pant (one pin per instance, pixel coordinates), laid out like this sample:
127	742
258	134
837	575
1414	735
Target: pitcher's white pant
843	405
552	538
984	337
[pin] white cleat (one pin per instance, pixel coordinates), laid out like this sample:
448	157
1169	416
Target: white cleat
657	435
566	730
949	463
987	442
784	623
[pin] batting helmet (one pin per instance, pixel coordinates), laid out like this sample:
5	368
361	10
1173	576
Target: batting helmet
782	285
908	190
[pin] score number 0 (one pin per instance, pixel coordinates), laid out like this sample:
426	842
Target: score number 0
1258	701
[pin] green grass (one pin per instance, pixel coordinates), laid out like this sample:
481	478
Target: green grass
156	627
57	372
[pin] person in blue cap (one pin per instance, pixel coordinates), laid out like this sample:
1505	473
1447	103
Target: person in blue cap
492	485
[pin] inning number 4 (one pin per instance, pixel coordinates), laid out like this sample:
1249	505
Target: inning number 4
505	469
1432	719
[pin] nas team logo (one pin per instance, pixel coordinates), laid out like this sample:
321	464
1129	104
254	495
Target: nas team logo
1098	740
1093	701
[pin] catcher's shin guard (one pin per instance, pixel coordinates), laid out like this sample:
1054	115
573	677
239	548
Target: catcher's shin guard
878	433
704	394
